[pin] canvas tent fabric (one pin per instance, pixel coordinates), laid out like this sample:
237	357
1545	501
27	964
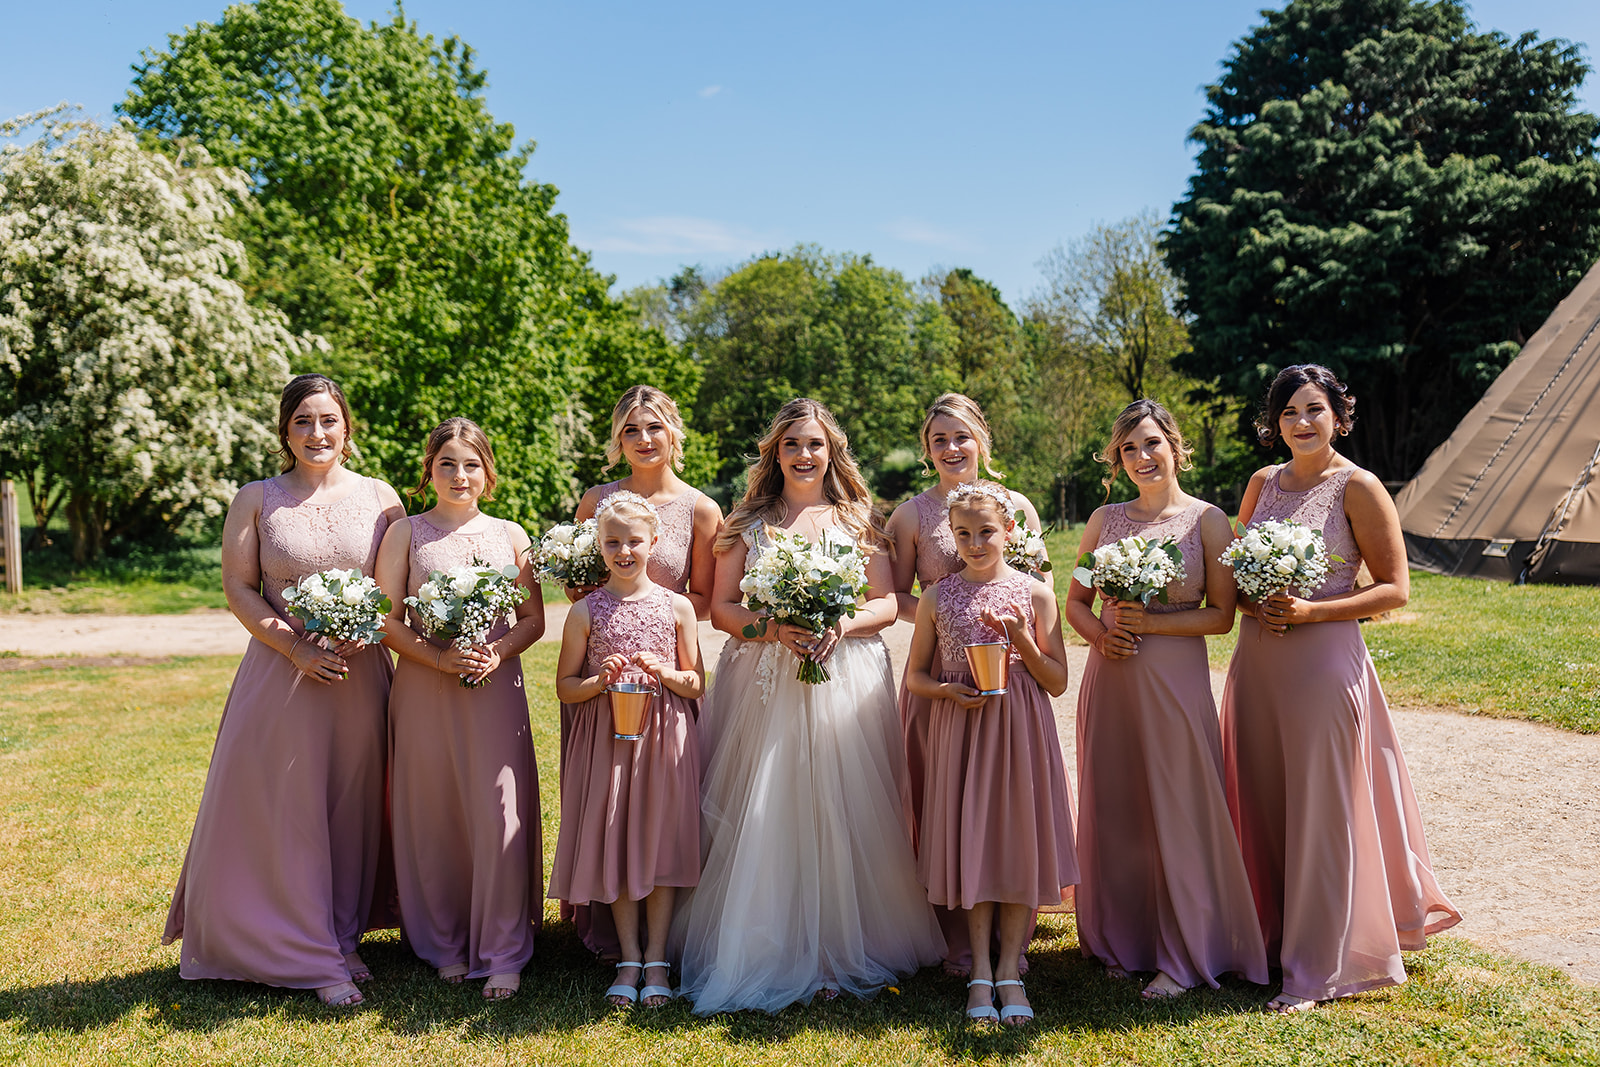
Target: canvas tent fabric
1514	492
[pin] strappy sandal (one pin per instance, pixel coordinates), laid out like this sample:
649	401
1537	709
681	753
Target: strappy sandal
501	986
1014	1011
655	990
1288	1004
984	1013
359	972
629	993
455	974
343	995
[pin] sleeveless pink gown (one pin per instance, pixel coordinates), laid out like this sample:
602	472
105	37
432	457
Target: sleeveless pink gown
997	824
465	787
668	568
1320	796
288	845
1164	885
630	810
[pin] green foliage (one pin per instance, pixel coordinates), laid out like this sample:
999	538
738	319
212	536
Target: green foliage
395	219
837	328
136	379
1383	189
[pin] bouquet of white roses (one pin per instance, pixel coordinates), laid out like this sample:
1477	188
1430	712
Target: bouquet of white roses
803	584
1271	556
1134	568
339	605
569	553
1025	548
463	604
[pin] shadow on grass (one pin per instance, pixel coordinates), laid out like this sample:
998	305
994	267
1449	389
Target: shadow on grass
561	992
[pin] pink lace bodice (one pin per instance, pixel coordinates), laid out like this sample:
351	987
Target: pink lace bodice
631	626
936	545
298	538
484	539
1185	528
1322	508
669	563
958	620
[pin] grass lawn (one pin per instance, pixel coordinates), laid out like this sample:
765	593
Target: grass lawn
1489	648
102	771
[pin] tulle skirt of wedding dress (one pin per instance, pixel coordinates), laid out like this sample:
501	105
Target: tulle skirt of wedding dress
809	879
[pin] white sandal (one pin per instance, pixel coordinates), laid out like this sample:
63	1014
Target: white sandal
655	990
630	993
1013	1011
983	1012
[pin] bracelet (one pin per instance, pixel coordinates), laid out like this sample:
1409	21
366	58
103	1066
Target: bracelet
438	659
294	646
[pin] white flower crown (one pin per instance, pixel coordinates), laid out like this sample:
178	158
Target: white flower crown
970	489
626	496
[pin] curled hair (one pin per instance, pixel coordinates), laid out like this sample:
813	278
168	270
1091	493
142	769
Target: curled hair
965	410
842	484
453	429
1123	425
627	506
980	494
299	389
1288	382
647	398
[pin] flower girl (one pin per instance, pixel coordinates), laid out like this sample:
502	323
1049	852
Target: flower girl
630	809
997	824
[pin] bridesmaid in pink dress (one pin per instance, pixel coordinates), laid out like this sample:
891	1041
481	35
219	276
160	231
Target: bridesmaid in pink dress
1163	886
956	440
278	883
647	431
630	810
1323	805
997	825
464	785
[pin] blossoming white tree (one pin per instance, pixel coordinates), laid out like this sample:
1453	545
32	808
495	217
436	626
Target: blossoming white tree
136	379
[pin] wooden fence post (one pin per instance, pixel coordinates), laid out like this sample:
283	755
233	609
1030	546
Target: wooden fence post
10	523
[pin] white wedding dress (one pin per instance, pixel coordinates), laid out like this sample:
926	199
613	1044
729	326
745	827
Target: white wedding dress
809	881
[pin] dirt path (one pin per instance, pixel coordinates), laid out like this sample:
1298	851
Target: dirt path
1512	809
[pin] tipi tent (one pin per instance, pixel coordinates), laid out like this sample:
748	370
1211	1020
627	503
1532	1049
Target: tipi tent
1515	491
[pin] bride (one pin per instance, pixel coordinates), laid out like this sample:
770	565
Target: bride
809	884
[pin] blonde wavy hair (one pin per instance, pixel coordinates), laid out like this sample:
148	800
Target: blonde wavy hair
842	485
627	506
1131	416
650	399
965	410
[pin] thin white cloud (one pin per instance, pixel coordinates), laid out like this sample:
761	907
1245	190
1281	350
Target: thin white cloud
709	91
677	235
919	232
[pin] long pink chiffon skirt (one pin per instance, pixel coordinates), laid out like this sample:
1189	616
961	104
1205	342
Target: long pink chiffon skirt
1326	817
465	795
630	813
997	823
1163	884
278	883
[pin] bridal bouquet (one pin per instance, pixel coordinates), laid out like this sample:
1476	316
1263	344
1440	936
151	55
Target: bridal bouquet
804	584
1271	556
339	605
1025	548
569	553
1134	568
463	604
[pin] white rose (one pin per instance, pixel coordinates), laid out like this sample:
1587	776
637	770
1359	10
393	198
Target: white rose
582	543
562	535
314	587
1285	565
352	594
463	584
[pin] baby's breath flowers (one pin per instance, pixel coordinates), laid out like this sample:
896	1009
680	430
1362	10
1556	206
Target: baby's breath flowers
1271	556
341	605
569	553
808	585
1134	568
463	604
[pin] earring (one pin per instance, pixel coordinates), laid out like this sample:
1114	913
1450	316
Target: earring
927	471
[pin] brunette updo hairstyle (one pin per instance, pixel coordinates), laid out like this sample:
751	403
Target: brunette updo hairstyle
454	429
294	394
1126	420
1288	382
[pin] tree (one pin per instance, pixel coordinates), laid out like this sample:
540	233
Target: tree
394	218
1383	189
838	328
136	380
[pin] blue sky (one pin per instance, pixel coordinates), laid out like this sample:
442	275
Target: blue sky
928	135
